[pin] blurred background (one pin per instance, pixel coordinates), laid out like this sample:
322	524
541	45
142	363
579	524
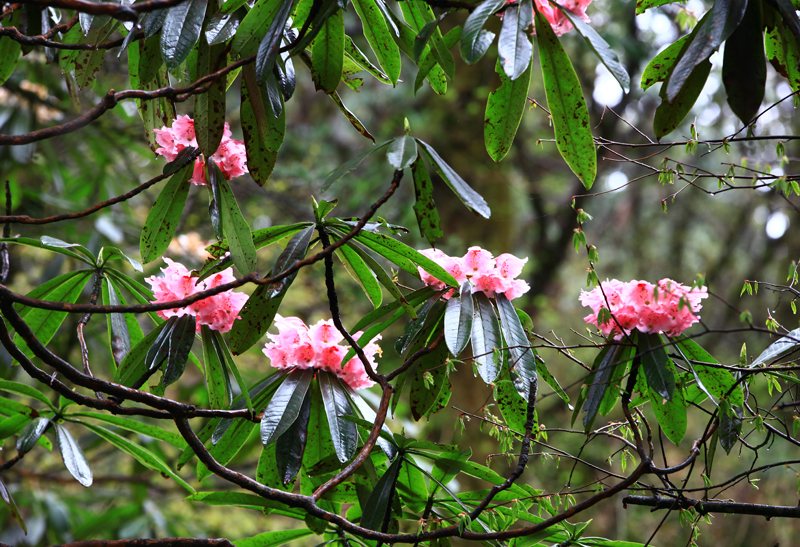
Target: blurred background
688	225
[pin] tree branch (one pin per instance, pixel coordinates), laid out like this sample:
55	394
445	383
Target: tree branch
714	506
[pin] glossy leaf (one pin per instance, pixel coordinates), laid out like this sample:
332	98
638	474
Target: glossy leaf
514	46
135	364
344	433
10	52
778	349
655	363
469	197
73	457
458	320
218	381
521	357
402	152
253	27
222	26
504	109
379	36
357	124
602	371
289	446
275	538
670	114
404	256
424	206
744	68
24	389
179	346
263	132
268	47
567	106
714	379
486	339
237	231
713	29
135	425
670	413
377	511
209	107
181	30
512	406
362	273
164	216
474	40
30	434
660	66
429	384
5	495
285	405
730	425
327	53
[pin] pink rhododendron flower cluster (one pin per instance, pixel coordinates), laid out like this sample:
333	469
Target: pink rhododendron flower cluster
230	157
218	312
485	273
667	307
298	345
558	21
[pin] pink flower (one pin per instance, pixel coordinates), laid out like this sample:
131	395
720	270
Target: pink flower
230	157
319	346
558	21
485	273
667	307
218	312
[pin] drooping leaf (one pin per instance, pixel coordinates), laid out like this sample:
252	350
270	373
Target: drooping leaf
424	206
24	389
474	40
504	109
209	107
179	346
655	363
379	37
469	197
730	425
670	114
268	47
602	371
514	46
362	273
458	320
600	48
783	52
778	349
135	425
236	229
402	152
714	379
222	26
30	434
327	53
486	339
164	216
744	68
521	357
404	256
290	445
5	495
357	124
344	433
660	66
713	29
285	405
253	26
217	379
429	383
670	413
567	106
263	132
10	52
181	30
73	457
376	513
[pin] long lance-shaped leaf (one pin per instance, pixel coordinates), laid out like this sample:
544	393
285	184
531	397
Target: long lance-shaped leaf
504	109
235	228
217	379
73	457
670	413
251	29
404	256
344	432
713	29
463	191
285	405
424	205
669	114
523	361
379	505
660	66
379	37
474	40
362	273
31	433
135	363
600	48
660	378
289	447
778	349
180	345
327	53
514	44
164	216
402	152
567	105
10	52
602	370
486	339
5	495
458	320
180	30
268	48
744	66
209	107
130	424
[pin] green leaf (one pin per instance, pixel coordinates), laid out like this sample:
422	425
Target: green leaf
5	495
504	109
11	425
375	515
181	30
164	216
670	114
285	405
567	105
45	323
344	433
429	383
291	444
327	53
715	380
424	206
522	359
644	5
144	456
379	37
30	435
218	381
612	394
237	230
730	425
469	197
276	538
10	52
778	349
362	273
714	28
600	48
135	364
351	117
744	66
135	425
404	256
783	52
514	46
671	413
486	339
660	66
512	406
209	107
179	345
655	363
603	369
24	389
474	40
458	320
222	26
73	457
402	152
253	26
268	47
53	245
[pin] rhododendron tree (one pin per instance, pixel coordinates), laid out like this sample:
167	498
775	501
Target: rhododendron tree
437	401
